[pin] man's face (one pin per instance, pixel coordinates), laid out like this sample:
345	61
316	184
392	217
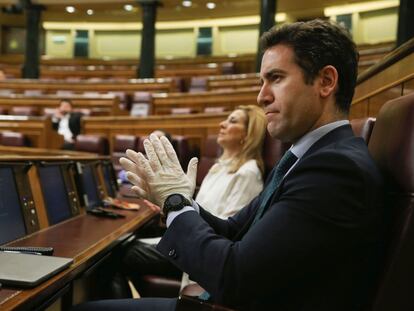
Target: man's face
292	107
65	107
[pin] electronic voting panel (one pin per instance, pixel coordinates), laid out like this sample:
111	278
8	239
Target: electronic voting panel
90	184
57	181
18	215
109	177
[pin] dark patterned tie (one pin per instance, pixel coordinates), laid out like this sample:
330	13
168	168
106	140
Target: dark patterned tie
281	169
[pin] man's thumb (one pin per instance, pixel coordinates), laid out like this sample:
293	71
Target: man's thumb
192	169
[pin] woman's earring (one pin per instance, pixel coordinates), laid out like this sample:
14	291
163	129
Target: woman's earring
241	141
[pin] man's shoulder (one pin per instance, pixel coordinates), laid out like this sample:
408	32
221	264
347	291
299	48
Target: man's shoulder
351	152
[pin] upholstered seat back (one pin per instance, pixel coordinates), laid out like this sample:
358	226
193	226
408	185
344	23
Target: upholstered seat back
120	144
392	147
211	153
92	143
363	127
24	111
15	139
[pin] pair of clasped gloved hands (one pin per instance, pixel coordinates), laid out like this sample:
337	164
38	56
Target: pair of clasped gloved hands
161	174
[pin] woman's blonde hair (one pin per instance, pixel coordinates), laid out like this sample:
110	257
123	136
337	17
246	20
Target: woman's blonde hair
253	144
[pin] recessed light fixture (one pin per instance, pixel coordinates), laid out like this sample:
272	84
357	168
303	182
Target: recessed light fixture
89	12
210	5
128	7
187	3
70	9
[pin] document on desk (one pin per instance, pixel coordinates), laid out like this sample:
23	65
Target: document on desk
27	270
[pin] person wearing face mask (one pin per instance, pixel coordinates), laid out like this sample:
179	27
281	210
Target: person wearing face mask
231	183
67	123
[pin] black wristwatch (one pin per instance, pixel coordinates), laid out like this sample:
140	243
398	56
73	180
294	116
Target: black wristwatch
175	202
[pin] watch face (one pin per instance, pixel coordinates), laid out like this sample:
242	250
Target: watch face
175	199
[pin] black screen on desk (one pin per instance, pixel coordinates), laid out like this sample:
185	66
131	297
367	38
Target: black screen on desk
55	193
107	172
11	218
90	186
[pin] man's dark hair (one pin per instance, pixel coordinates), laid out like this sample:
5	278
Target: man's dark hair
316	44
66	100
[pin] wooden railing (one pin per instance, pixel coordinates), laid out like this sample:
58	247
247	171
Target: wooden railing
164	103
233	81
390	78
129	87
97	105
243	63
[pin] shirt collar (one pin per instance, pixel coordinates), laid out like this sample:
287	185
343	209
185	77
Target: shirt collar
306	141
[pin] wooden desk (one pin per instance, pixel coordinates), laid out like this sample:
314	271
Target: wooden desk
38	129
84	238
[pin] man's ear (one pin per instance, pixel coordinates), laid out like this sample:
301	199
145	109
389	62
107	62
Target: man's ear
328	77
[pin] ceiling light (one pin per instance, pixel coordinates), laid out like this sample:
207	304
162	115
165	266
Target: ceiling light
70	9
89	12
210	5
128	7
187	3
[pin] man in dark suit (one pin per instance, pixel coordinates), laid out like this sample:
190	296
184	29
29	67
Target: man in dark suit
67	122
310	240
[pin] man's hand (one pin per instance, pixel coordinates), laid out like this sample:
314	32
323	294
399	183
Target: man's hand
161	174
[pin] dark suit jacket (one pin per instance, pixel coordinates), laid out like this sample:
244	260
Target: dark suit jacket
74	123
315	248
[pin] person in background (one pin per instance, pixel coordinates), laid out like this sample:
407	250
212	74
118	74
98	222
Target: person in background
67	123
230	184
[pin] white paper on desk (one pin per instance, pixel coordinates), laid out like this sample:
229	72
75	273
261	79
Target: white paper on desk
150	241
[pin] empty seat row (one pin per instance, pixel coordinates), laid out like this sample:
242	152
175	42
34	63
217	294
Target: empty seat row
15	139
123	142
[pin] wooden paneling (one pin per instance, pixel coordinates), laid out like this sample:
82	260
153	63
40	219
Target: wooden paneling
408	87
359	110
384	81
99	105
146	85
379	99
38	129
196	126
229	99
391	76
233	81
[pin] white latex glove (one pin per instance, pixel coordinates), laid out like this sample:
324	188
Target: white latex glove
134	175
161	174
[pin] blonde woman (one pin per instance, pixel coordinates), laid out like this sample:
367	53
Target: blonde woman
236	178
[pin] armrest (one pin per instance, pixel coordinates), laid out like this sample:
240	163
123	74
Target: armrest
187	303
